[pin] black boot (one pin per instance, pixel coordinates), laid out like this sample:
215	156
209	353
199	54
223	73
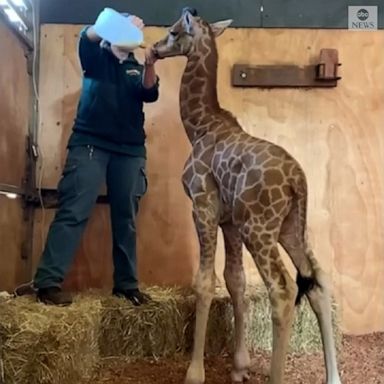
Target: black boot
136	297
54	296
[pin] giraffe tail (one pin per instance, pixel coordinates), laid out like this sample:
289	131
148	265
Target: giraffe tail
309	273
305	285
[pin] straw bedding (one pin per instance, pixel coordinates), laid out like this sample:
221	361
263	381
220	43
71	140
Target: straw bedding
41	344
361	360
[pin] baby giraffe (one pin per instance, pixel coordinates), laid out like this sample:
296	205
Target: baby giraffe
257	194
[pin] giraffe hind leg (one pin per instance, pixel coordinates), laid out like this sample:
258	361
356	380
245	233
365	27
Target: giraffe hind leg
235	282
291	238
282	293
311	281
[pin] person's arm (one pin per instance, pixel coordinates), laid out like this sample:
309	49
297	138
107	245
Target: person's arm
89	46
150	82
89	49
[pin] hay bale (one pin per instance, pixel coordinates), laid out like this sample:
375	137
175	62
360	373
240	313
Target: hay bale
48	345
166	326
52	345
156	330
305	336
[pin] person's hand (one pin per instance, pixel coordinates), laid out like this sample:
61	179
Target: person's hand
150	58
137	21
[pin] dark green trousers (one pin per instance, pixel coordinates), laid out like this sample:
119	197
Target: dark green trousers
85	171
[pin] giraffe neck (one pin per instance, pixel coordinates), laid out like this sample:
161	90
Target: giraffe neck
198	91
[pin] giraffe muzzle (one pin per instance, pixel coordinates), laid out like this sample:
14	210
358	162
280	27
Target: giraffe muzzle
156	51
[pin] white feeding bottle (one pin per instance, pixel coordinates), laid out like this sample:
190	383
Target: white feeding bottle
118	30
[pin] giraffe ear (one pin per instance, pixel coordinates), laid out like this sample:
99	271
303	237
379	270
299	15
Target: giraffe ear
220	26
187	21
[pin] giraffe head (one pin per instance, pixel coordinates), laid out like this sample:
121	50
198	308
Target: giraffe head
184	36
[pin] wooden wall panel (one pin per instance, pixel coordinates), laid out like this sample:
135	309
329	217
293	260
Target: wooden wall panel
13	270
336	135
14	108
14	116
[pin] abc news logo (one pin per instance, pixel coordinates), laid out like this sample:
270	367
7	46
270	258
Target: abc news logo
363	14
363	22
363	18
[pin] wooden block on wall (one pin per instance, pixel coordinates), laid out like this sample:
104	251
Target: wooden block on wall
278	76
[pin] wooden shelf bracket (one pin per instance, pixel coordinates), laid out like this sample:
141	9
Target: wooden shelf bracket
324	74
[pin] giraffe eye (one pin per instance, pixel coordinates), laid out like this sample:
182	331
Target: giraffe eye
173	33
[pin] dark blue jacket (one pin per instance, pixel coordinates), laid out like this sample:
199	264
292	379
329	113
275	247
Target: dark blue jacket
110	108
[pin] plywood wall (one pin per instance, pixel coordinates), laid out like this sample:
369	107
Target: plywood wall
14	116
14	108
13	270
336	134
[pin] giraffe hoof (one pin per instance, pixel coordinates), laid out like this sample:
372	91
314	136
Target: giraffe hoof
240	376
189	379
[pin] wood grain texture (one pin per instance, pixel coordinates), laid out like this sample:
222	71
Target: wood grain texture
336	135
14	116
13	270
14	108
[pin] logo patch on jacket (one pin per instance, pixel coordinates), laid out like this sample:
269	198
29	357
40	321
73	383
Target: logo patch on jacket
132	72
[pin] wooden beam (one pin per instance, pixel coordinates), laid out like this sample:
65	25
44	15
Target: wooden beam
49	199
321	75
278	76
8	188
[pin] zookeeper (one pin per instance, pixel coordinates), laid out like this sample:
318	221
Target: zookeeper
107	145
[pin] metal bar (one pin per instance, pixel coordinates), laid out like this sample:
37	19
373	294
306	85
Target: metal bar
32	196
49	196
8	188
29	209
50	199
34	71
31	143
24	39
22	14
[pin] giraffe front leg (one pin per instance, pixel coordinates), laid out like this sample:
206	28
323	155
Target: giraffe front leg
235	282
204	286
